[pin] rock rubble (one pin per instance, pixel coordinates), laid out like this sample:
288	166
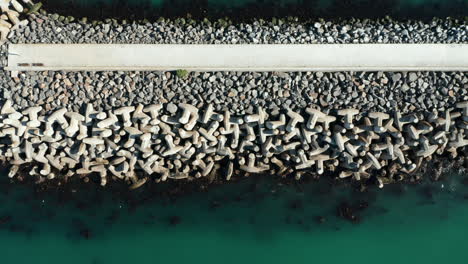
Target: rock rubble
239	91
53	28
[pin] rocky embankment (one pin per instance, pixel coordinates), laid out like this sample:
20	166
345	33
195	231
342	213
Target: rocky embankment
239	92
139	126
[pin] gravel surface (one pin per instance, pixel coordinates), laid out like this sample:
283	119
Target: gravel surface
239	92
52	28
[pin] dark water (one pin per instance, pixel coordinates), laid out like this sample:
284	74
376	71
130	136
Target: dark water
246	9
256	220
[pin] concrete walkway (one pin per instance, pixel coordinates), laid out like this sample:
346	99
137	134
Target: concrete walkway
319	57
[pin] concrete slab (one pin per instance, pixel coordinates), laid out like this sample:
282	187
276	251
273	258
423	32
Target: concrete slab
319	57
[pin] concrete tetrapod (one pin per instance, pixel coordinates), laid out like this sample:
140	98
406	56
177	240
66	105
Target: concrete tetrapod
134	145
9	17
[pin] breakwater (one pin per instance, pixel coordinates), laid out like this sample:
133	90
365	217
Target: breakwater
141	143
202	121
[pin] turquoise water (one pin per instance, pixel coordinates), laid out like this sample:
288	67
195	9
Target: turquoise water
252	221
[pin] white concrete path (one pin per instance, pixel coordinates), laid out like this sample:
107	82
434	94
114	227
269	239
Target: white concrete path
312	57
